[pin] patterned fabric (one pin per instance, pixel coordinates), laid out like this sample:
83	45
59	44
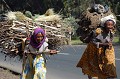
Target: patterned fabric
98	62
34	67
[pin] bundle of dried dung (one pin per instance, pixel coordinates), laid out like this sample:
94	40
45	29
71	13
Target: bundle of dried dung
90	20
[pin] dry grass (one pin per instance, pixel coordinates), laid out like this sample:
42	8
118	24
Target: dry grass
17	16
49	16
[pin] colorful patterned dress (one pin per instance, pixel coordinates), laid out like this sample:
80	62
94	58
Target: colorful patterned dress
99	61
35	65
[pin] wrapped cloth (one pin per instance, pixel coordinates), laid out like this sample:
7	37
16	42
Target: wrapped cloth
109	17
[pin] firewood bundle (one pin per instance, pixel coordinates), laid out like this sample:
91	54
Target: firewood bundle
14	33
90	20
17	28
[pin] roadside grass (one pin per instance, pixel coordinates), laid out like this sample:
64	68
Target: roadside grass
76	42
116	40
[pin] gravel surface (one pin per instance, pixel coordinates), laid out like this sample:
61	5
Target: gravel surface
7	74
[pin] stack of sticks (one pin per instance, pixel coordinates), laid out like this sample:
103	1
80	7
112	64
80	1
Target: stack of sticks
14	33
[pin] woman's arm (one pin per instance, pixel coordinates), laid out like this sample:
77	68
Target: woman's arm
108	45
99	44
98	38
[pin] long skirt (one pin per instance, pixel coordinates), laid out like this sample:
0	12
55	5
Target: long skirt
34	68
97	62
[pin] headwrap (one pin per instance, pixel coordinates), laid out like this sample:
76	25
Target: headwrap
108	18
33	41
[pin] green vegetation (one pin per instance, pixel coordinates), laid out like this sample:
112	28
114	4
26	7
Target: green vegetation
116	40
76	42
66	7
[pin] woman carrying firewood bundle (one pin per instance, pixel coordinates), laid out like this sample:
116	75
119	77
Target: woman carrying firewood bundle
34	62
98	60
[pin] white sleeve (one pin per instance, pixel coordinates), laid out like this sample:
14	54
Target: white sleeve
43	47
45	44
46	50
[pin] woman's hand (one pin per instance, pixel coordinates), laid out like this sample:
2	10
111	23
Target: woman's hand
53	52
110	45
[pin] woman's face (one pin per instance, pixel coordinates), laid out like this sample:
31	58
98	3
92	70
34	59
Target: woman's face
109	25
39	37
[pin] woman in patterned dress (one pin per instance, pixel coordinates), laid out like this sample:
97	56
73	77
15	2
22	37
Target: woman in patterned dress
34	63
98	60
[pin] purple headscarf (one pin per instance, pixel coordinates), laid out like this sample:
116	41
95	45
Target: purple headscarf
33	41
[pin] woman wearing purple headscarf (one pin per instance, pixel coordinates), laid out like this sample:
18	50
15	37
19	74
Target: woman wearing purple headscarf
34	65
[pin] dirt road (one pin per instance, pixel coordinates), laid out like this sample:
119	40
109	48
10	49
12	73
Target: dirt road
7	74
